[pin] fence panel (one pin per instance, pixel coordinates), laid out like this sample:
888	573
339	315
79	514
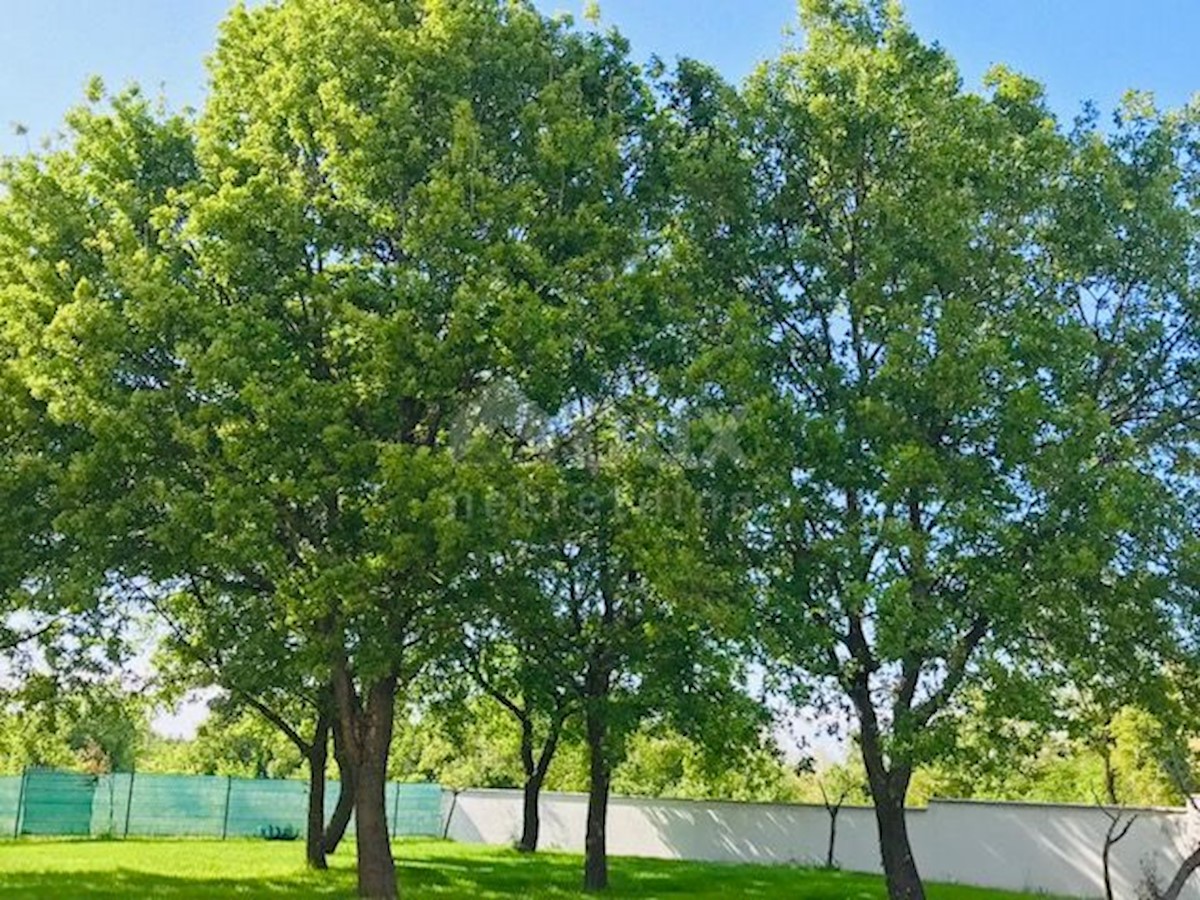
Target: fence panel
176	805
109	804
332	790
10	803
49	802
57	803
259	807
417	810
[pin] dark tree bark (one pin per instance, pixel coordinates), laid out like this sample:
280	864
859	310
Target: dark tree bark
1117	829
595	866
367	731
833	807
318	758
899	866
1118	825
316	753
531	821
376	868
340	820
889	778
830	854
1186	869
535	776
889	788
535	766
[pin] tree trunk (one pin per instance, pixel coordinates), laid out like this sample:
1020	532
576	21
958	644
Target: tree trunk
830	857
318	759
1106	862
899	866
531	818
336	829
1175	888
889	789
367	731
595	867
535	777
1117	830
376	868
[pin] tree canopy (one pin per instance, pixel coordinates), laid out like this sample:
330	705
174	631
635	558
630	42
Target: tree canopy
446	339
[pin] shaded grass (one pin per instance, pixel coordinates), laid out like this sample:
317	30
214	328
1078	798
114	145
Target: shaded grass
428	869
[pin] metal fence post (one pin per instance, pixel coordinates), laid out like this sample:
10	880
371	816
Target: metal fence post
20	802
129	802
225	820
450	814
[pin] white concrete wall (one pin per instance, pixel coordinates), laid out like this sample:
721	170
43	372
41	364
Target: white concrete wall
1050	848
1027	847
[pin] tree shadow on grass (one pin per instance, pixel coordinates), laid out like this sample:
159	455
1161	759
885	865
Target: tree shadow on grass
501	875
481	878
436	870
456	871
124	884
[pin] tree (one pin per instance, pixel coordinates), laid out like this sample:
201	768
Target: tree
602	603
476	745
661	762
836	785
1170	746
392	204
235	640
230	741
1069	762
64	478
624	579
464	744
33	599
60	214
514	671
1187	868
404	243
93	464
55	721
961	340
522	651
94	727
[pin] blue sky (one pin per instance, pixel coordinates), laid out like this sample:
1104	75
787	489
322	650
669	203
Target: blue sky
1080	49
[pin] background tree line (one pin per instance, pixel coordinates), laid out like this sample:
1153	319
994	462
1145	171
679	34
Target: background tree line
102	729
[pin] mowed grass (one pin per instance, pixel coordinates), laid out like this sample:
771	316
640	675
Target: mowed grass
433	869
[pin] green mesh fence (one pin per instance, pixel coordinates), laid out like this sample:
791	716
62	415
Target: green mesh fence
255	806
10	803
56	803
416	809
47	802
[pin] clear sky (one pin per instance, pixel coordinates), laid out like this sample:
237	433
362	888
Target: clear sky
1081	49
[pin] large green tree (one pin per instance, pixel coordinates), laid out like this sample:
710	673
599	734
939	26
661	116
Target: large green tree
391	205
91	387
961	340
65	475
600	607
456	203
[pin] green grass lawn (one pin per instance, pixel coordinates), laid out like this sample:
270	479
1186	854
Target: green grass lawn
126	869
